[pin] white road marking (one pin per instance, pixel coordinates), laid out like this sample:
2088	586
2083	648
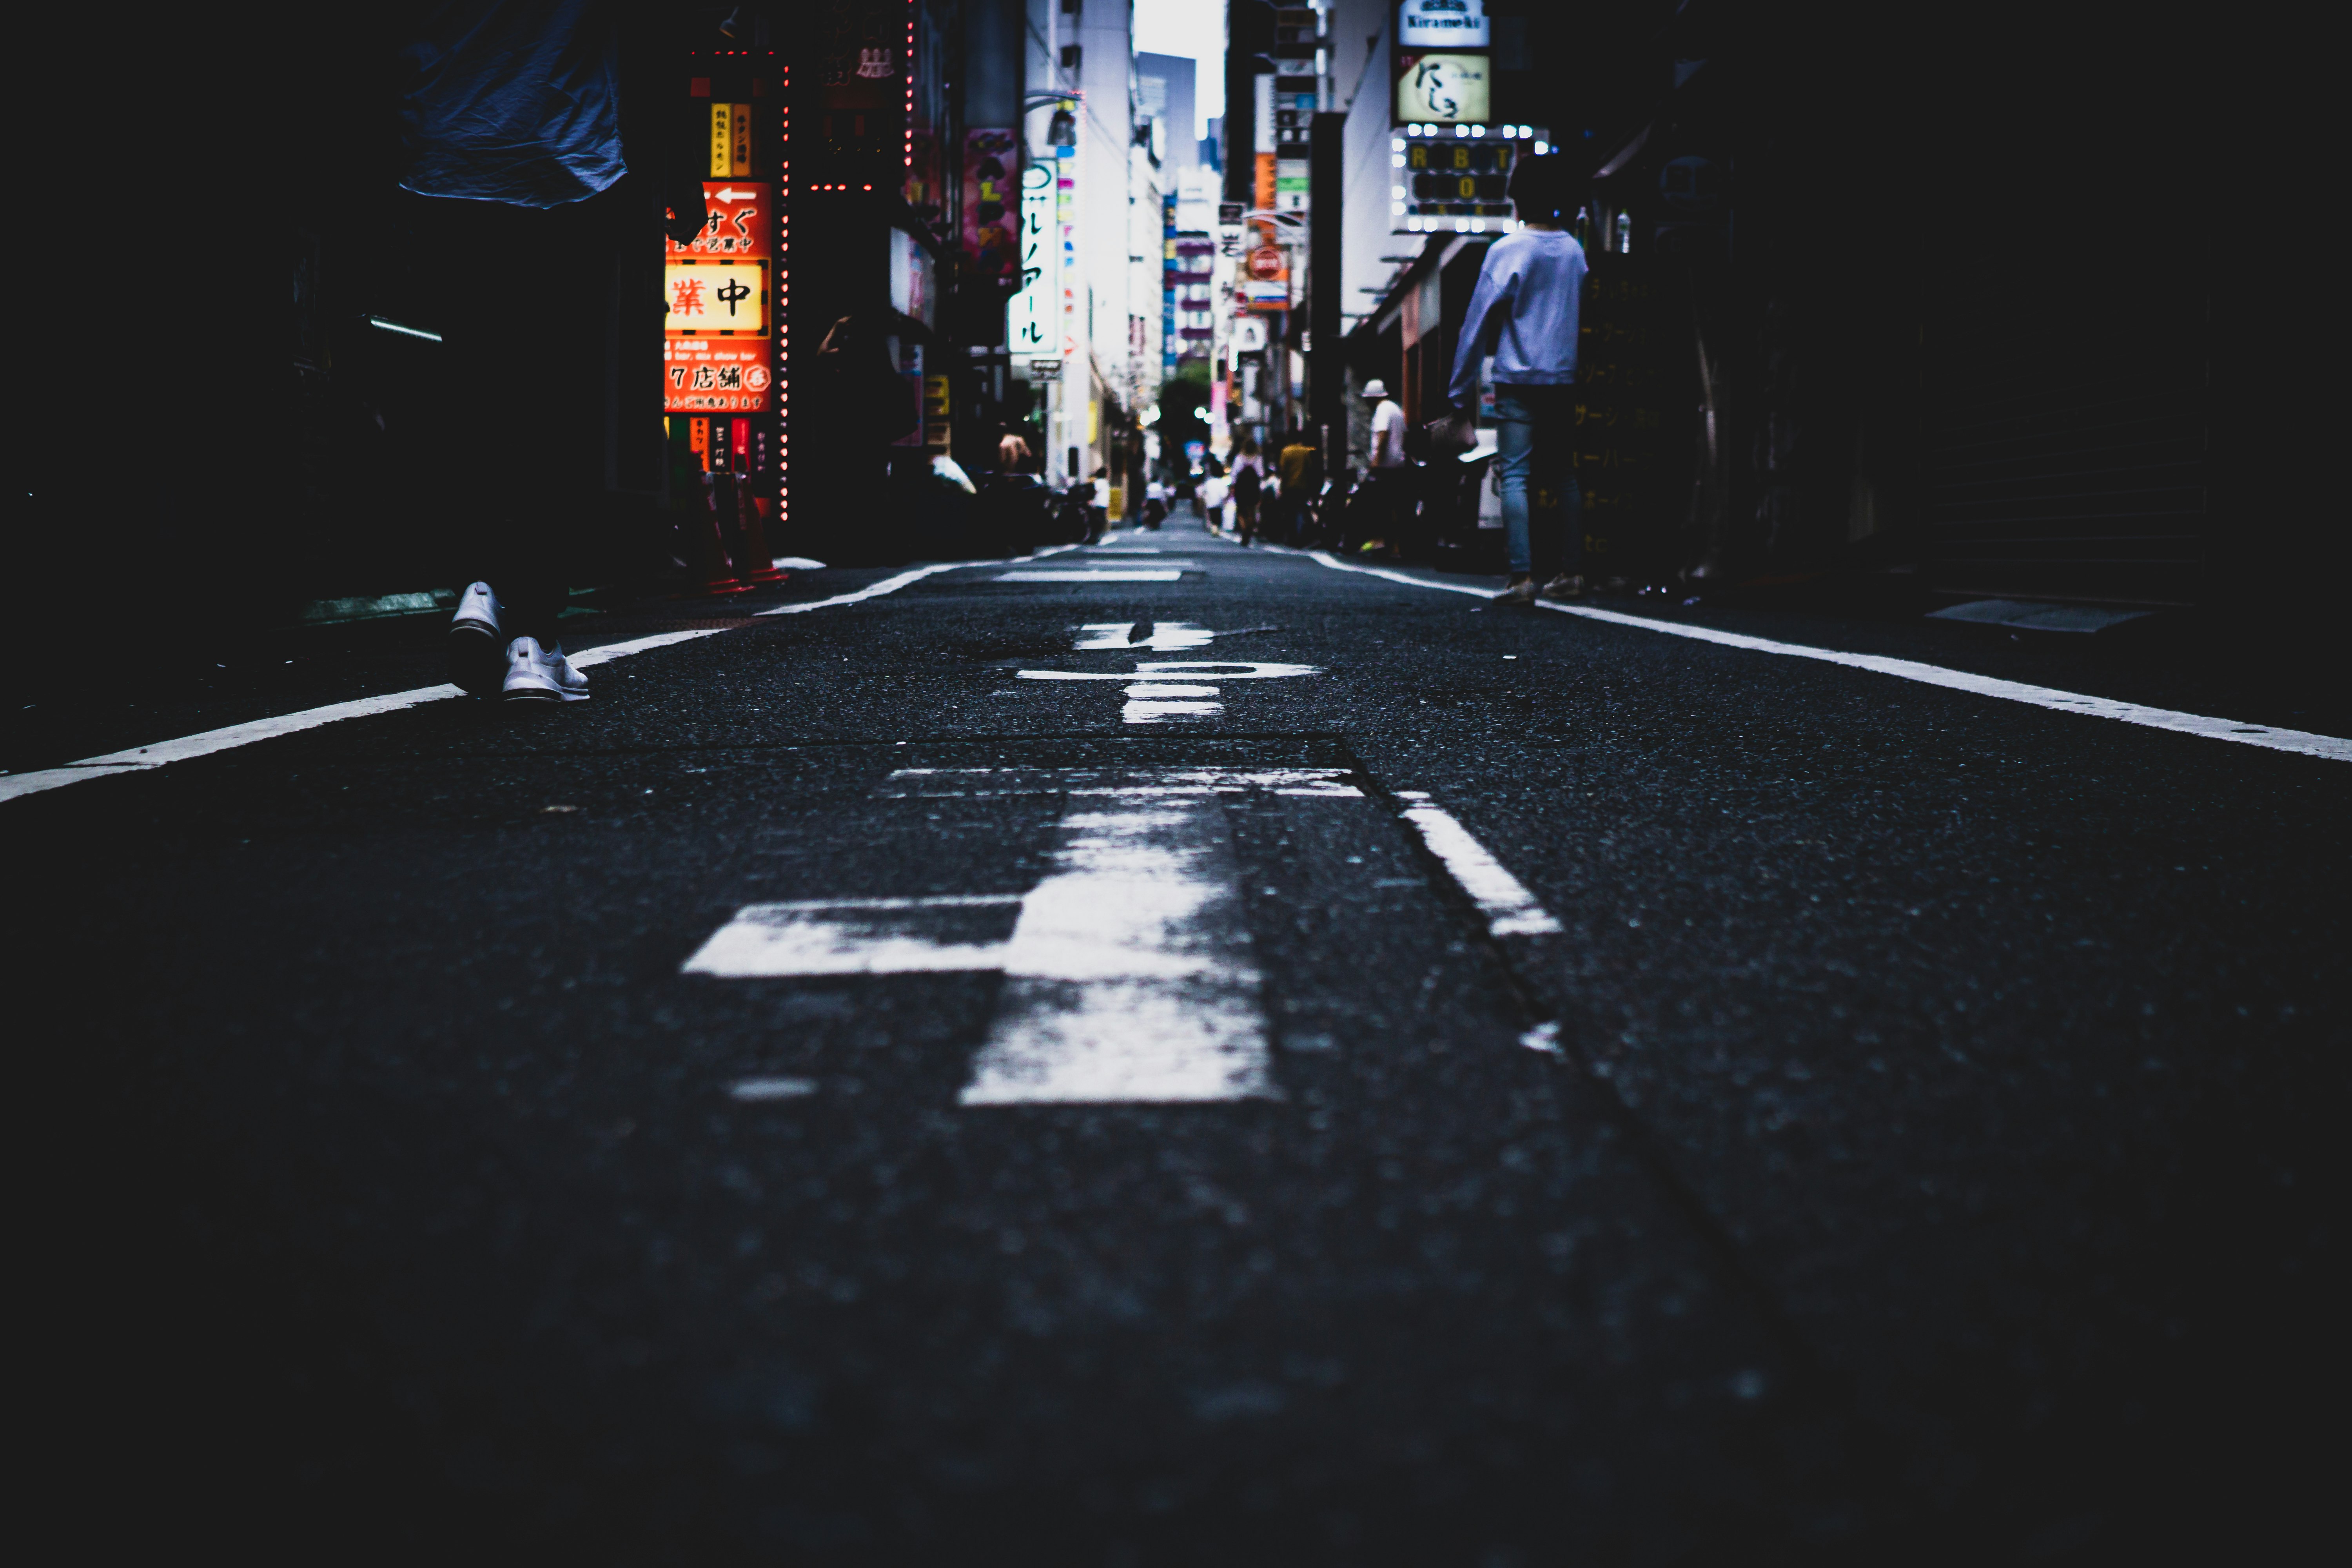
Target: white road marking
758	1088
1127	970
2333	748
1129	977
1510	910
1095	575
1203	669
140	758
1147	700
968	783
1147	703
1152	712
1167	637
858	936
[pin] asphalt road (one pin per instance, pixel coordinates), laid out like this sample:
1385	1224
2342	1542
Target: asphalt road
891	1081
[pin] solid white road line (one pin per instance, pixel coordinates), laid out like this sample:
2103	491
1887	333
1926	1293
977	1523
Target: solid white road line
140	758
2334	748
1510	910
1130	977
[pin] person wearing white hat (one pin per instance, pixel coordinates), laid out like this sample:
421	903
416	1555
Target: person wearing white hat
1388	426
1374	514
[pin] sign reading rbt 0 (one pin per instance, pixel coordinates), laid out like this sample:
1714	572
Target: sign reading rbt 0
1458	172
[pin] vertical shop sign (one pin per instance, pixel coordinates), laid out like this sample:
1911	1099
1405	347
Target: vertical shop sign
717	338
1029	319
992	246
1065	227
730	140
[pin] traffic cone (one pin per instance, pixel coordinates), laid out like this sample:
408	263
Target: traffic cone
753	566
704	551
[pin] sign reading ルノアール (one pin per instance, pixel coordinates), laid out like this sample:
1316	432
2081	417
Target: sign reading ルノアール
716	331
1031	327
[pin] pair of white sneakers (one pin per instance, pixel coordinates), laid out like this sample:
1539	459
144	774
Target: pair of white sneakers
485	662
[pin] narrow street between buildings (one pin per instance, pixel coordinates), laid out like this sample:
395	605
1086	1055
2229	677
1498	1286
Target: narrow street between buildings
1159	1052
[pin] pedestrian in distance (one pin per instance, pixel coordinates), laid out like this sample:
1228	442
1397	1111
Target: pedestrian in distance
1524	313
1302	477
1249	492
1388	480
1215	495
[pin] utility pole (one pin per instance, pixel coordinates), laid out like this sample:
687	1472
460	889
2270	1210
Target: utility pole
1327	368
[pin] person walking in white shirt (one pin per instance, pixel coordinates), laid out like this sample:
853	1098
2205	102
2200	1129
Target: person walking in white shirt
1524	313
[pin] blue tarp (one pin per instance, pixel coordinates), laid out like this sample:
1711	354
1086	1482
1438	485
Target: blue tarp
514	102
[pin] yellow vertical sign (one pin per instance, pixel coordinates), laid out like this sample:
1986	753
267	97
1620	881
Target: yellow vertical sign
738	147
722	141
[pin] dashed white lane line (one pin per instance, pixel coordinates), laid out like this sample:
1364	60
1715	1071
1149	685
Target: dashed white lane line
2333	748
141	759
1510	910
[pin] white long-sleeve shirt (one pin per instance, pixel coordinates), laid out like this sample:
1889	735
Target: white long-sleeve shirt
1523	312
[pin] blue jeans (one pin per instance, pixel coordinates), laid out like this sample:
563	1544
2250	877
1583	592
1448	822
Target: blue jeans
1525	417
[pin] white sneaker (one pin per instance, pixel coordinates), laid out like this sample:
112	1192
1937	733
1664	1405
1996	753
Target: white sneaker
478	642
535	674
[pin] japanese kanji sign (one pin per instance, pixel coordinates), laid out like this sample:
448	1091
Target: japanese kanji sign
701	374
717	353
736	222
715	296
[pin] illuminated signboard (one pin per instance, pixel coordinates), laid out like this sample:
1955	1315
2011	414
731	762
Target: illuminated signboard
1441	25
709	297
991	247
1031	323
716	350
1442	90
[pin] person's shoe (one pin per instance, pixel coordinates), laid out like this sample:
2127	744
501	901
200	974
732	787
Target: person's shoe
1522	591
478	643
535	674
1564	586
